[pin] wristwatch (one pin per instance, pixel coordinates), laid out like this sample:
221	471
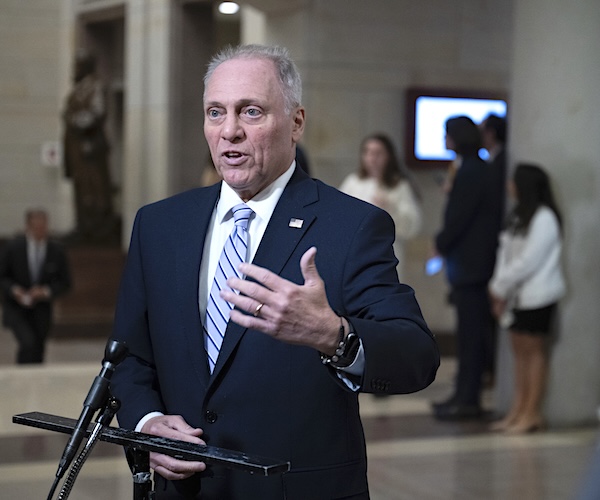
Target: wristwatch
346	351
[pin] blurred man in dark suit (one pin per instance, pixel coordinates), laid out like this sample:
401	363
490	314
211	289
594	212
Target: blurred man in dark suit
468	242
33	272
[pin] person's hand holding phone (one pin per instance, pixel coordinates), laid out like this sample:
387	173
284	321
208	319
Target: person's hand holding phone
434	265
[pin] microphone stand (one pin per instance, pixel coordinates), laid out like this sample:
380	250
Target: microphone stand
139	464
104	419
98	398
138	460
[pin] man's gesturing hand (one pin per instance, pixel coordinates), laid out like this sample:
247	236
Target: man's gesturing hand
298	314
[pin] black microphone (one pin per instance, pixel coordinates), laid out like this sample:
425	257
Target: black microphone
114	353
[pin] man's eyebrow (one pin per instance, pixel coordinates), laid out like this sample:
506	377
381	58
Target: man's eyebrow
241	103
208	104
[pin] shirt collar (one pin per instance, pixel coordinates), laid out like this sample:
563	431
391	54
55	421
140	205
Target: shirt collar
263	204
32	242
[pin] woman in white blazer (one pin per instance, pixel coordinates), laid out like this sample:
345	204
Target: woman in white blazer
384	182
525	288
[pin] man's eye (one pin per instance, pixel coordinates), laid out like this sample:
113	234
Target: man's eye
213	113
253	112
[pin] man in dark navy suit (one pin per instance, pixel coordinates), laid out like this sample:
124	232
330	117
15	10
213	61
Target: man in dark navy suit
318	317
33	272
468	242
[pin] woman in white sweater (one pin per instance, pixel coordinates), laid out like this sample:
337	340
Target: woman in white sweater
382	181
526	286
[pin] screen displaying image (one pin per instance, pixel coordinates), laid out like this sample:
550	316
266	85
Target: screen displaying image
431	113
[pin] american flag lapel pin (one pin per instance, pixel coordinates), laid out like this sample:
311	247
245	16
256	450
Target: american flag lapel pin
297	223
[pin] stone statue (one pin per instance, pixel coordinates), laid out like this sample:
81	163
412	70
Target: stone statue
86	158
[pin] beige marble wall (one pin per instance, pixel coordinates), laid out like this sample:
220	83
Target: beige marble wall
32	35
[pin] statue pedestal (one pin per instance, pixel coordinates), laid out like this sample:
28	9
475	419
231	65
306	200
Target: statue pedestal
88	308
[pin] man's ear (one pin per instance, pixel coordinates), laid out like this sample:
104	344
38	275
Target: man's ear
298	127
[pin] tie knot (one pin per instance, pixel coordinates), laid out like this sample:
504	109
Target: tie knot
241	214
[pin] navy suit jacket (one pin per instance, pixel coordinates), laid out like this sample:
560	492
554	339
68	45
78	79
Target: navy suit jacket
266	397
472	220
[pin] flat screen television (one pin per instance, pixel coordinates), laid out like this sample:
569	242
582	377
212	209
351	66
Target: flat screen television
426	113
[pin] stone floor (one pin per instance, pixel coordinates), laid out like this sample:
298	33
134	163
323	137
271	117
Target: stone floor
411	456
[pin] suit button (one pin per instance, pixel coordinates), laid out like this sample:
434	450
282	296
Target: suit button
380	384
210	416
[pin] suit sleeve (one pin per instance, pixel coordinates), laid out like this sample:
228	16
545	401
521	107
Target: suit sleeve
6	280
60	282
134	382
401	355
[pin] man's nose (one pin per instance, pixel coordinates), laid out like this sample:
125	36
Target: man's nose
232	129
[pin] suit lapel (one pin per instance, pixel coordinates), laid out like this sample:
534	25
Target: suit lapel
289	222
49	260
191	234
23	261
283	234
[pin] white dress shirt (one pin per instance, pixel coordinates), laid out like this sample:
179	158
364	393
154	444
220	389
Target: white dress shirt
36	254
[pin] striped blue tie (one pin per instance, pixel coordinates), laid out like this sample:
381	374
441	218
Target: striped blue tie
218	309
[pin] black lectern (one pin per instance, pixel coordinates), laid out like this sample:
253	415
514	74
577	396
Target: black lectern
137	445
140	445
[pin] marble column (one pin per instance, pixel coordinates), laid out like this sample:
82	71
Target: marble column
147	106
555	121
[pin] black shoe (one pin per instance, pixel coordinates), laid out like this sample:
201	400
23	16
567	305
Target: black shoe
457	411
447	402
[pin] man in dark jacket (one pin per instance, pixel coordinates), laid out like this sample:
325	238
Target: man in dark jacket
33	272
305	334
468	241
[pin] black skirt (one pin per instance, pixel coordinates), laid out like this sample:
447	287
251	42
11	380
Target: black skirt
533	321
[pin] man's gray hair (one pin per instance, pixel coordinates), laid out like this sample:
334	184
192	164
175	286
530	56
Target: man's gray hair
289	77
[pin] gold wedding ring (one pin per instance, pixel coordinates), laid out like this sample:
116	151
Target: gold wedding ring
257	310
